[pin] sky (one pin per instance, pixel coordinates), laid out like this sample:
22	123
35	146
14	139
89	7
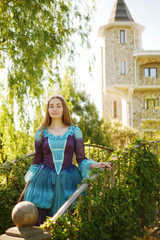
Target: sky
144	12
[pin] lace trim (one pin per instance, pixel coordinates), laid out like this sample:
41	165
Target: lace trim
69	132
84	167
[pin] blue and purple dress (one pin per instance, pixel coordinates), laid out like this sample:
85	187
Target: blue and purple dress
53	177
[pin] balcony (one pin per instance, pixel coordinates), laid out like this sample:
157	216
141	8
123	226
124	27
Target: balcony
149	81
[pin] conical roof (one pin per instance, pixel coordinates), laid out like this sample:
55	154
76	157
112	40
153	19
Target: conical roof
120	13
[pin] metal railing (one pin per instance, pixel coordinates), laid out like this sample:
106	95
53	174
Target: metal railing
94	152
155	147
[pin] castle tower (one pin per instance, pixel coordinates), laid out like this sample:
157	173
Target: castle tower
125	80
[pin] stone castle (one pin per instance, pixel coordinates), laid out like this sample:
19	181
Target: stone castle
130	75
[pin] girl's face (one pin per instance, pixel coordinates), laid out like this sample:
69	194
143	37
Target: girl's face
55	108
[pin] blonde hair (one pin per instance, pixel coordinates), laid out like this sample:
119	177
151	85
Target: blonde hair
65	118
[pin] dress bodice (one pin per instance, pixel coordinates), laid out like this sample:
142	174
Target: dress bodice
57	151
57	145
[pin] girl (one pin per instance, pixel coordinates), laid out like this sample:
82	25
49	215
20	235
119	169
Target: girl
53	177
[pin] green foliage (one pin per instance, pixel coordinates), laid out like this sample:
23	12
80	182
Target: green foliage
122	212
119	134
38	41
35	36
12	184
38	118
12	141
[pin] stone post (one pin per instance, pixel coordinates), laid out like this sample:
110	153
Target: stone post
24	216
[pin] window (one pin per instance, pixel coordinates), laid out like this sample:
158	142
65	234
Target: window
122	36
114	109
151	102
150	72
123	67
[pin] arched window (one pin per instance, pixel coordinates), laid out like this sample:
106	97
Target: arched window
151	101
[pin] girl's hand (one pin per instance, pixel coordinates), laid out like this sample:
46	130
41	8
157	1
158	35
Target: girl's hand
104	165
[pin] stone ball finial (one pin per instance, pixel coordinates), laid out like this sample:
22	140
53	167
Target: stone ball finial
24	214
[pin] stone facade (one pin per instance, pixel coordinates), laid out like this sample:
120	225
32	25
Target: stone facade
143	113
113	107
129	74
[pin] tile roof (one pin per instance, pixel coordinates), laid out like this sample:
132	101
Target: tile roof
120	13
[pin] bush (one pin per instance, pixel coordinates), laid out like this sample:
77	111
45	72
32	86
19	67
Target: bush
12	184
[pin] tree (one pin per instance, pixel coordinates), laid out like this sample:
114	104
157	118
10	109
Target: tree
37	39
120	135
13	142
34	38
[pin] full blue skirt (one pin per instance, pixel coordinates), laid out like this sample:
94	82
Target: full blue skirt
47	190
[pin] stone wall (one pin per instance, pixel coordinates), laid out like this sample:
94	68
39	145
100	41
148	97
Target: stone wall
108	107
115	53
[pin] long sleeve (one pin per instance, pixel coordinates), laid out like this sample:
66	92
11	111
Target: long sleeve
83	162
38	148
37	159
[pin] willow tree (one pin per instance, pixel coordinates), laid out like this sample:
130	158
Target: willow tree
36	36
